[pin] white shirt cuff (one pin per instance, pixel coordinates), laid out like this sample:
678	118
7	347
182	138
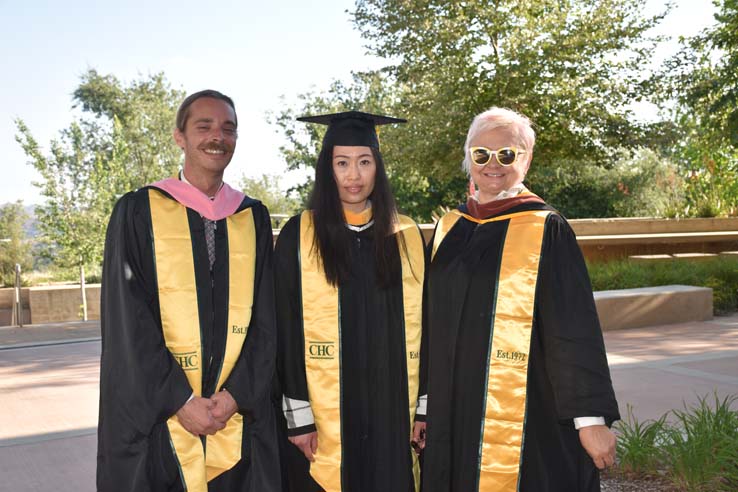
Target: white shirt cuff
422	405
580	422
298	413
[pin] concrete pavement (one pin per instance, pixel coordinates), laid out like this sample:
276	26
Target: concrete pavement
661	368
48	416
52	333
49	386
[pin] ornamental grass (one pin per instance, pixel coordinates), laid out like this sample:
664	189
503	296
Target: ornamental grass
695	448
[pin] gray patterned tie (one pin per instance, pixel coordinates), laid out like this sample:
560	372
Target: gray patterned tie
210	239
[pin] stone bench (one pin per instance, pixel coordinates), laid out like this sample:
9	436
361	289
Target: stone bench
676	256
659	238
694	256
649	306
650	258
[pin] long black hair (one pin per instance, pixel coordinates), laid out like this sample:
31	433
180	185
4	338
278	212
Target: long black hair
332	238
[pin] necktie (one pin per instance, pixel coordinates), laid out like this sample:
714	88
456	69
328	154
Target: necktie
210	239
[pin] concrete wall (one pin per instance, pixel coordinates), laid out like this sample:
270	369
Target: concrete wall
603	227
617	309
601	239
630	225
62	303
51	304
598	237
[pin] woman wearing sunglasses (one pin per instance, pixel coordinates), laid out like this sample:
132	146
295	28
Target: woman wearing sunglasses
349	277
519	391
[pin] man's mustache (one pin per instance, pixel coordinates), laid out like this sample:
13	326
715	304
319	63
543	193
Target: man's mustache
216	146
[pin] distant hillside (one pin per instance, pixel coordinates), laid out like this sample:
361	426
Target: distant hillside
31	225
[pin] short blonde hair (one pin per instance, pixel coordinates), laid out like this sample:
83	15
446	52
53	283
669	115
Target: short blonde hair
496	117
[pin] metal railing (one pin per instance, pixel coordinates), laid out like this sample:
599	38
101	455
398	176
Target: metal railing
277	220
17	311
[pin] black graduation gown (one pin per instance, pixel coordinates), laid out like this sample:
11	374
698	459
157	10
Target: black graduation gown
141	384
374	394
568	374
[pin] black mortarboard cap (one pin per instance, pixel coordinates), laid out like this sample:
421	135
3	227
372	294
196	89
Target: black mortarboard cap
352	128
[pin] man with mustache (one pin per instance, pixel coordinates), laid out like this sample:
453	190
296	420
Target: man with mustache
188	331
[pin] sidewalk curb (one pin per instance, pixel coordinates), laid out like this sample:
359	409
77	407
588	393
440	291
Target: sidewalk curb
49	343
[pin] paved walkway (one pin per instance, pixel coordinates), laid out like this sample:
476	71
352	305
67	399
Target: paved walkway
49	387
52	333
661	368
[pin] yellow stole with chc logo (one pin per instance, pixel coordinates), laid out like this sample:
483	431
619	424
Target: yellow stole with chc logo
175	271
322	333
507	369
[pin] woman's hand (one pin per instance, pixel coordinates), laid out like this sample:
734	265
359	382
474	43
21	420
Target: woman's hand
599	442
307	443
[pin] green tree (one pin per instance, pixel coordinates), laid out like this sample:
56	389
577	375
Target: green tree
641	184
77	181
710	163
146	110
702	80
267	188
573	67
14	246
418	190
121	141
705	81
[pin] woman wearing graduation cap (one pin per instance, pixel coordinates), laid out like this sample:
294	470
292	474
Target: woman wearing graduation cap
348	278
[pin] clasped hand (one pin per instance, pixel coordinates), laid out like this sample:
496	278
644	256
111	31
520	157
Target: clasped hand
206	416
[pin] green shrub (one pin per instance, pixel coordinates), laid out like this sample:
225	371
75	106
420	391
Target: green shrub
638	183
720	274
697	452
53	275
639	444
701	448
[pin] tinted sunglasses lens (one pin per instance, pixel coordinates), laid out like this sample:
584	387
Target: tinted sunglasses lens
480	156
506	156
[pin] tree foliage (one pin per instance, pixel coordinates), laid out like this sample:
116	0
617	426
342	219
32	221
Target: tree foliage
267	188
121	141
703	81
705	74
14	246
75	180
642	183
574	67
146	110
419	190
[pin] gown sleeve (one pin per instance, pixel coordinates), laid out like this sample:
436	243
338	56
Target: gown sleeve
141	384
291	352
250	380
566	317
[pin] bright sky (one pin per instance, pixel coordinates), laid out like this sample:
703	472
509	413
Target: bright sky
255	51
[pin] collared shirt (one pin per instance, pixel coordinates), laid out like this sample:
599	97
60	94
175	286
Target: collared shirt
509	193
183	178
